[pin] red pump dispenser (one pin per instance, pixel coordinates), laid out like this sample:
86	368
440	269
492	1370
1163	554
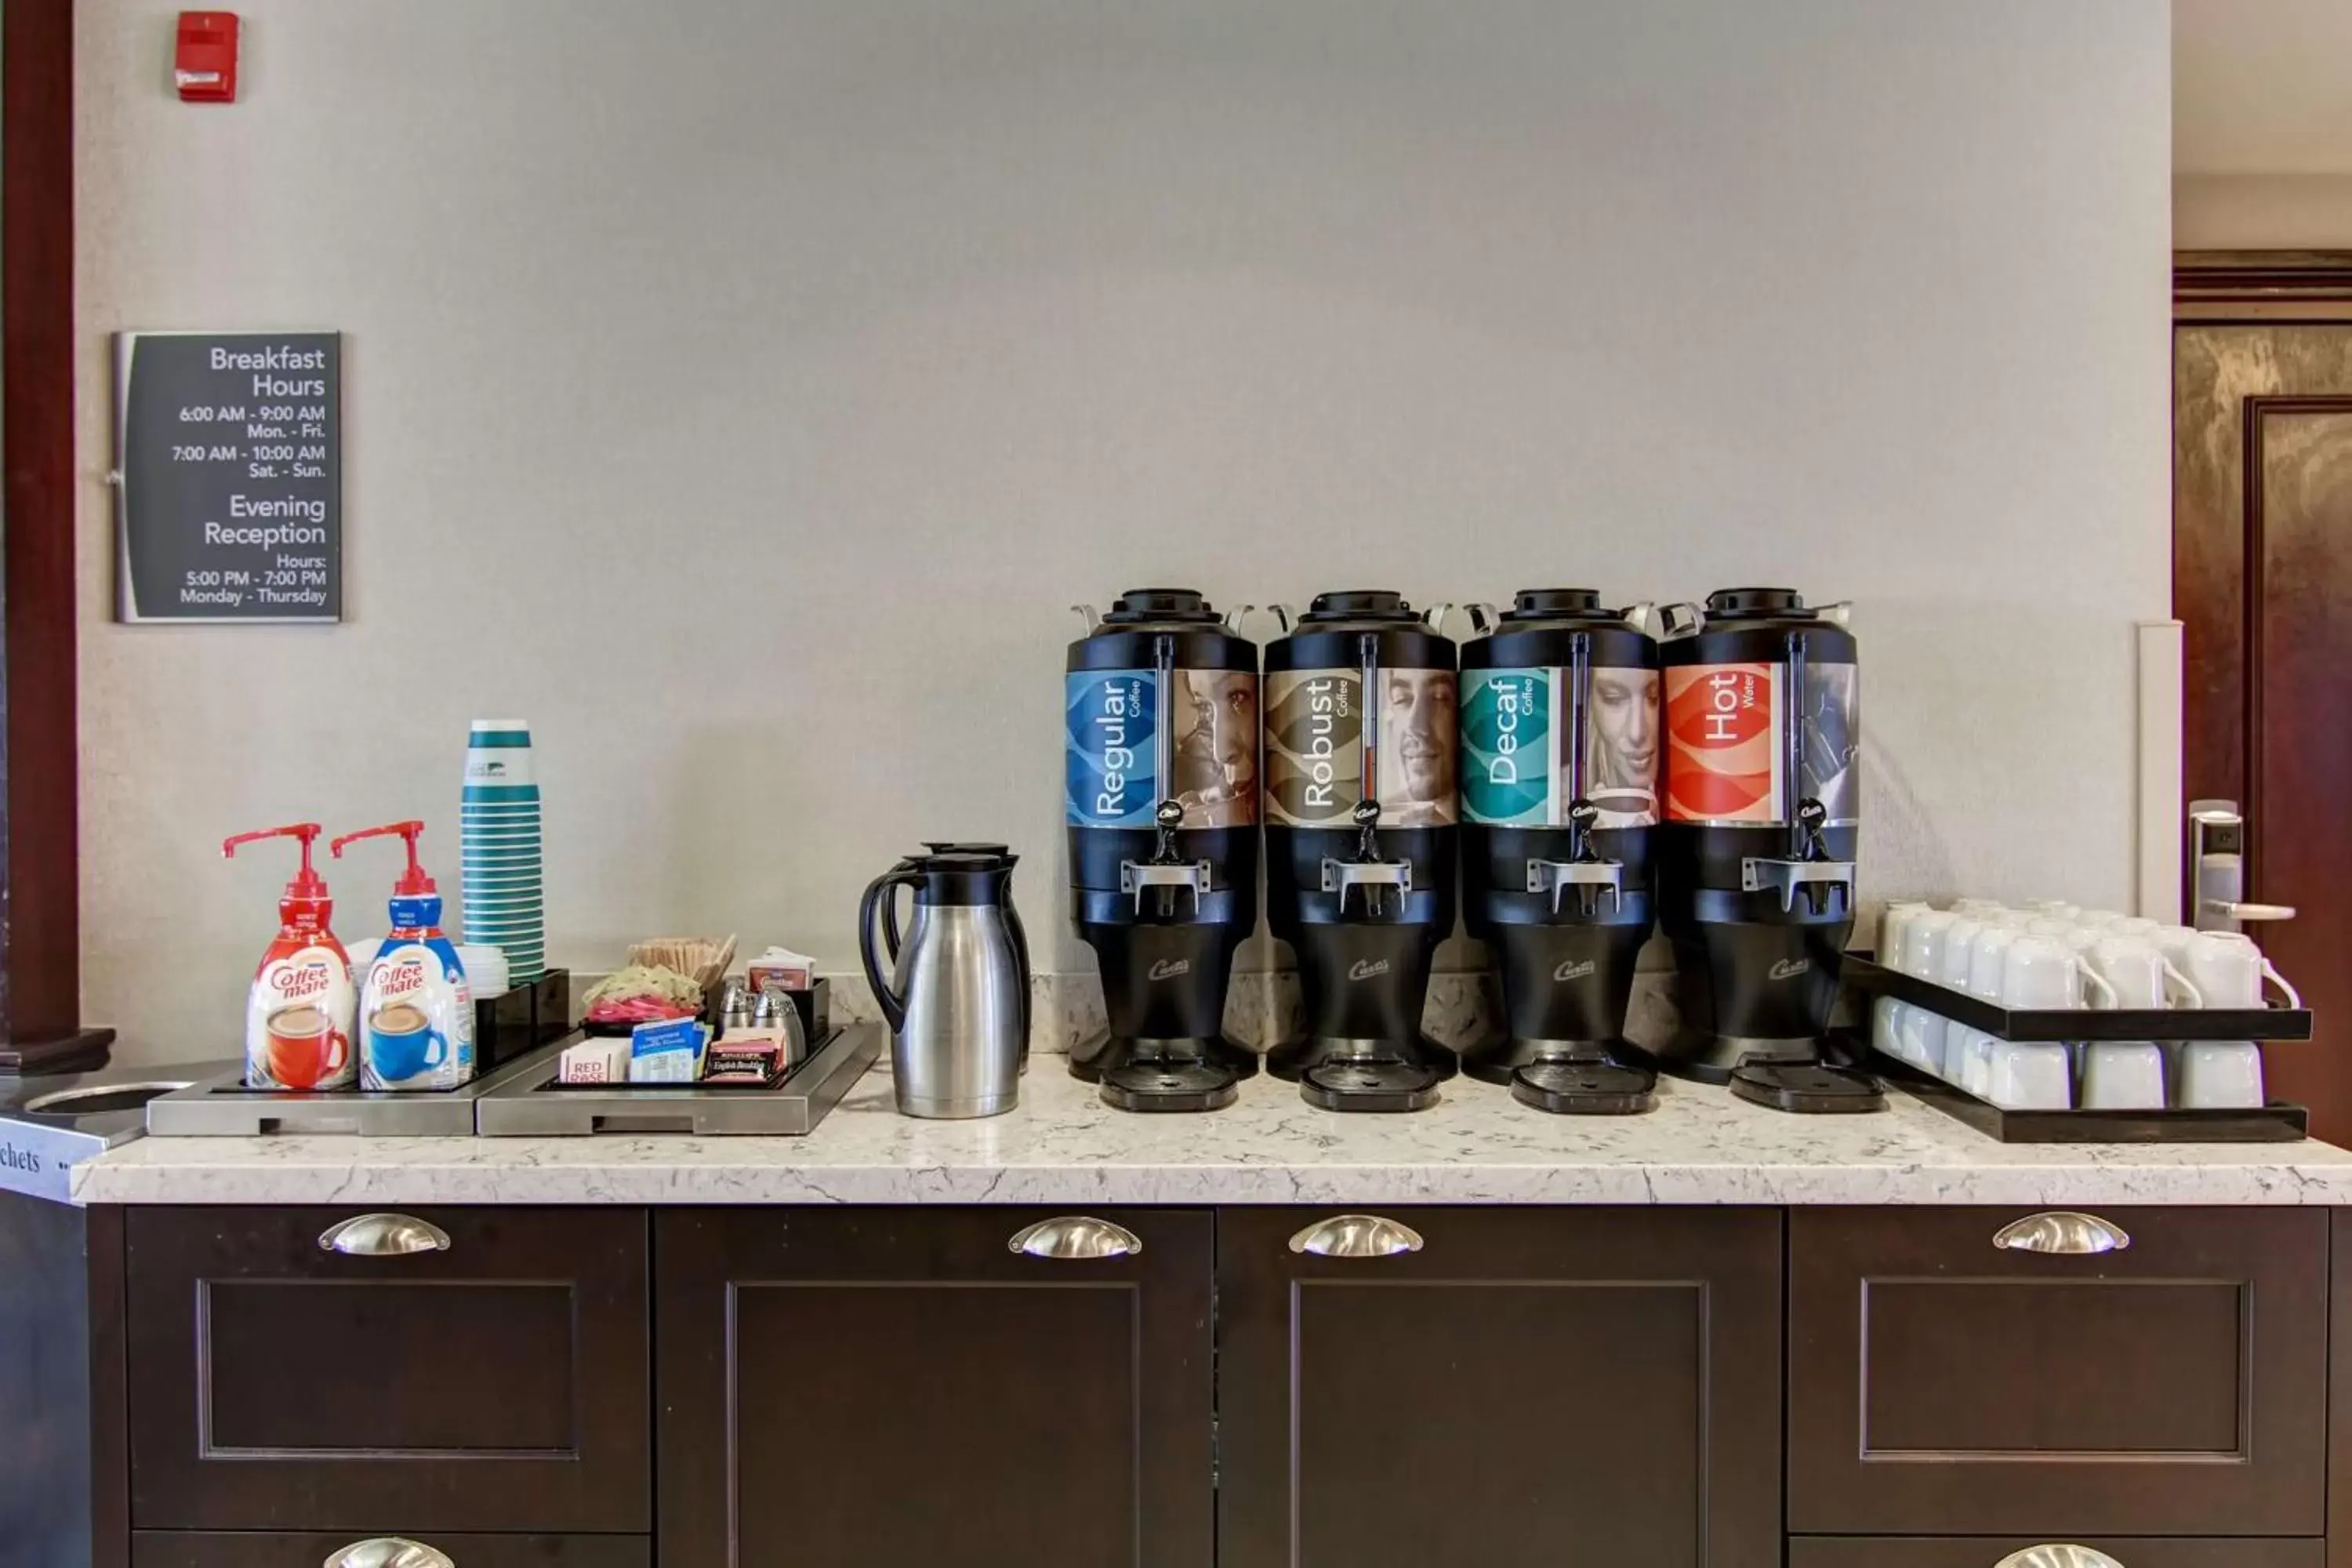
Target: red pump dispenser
298	1017
306	906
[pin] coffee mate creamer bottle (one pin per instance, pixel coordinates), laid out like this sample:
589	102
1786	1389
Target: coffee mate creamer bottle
298	1018
416	1012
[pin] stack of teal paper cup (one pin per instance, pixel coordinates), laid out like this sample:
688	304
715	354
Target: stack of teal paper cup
499	843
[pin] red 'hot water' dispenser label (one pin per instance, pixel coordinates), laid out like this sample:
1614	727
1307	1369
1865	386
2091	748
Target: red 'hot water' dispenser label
1724	746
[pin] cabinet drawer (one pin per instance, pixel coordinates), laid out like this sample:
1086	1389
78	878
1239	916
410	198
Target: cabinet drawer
902	1388
223	1549
1940	1384
2141	1552
1570	1385
495	1382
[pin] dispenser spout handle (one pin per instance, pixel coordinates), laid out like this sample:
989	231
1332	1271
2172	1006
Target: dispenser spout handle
413	882
307	883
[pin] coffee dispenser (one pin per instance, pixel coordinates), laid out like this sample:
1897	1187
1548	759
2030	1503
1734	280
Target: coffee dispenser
1559	801
1756	848
1360	828
1160	724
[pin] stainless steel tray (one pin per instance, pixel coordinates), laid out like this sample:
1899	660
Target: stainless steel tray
224	1108
532	1104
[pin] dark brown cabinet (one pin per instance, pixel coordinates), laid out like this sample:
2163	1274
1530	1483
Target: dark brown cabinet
159	1549
1528	1387
1883	1552
871	1388
1939	1385
455	1370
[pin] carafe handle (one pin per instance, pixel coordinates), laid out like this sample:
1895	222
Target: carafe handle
880	892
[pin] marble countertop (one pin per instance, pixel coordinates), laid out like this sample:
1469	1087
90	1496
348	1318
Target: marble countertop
1062	1146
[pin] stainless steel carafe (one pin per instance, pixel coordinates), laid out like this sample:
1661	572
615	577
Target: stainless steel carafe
957	999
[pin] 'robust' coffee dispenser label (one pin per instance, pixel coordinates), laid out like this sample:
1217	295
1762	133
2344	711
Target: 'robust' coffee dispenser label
1314	747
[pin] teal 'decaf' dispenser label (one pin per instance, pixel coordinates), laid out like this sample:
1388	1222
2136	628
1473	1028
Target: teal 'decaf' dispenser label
1111	759
1510	754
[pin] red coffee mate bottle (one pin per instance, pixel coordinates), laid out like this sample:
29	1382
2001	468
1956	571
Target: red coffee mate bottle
298	1019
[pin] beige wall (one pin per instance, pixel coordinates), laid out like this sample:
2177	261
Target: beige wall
2262	212
741	390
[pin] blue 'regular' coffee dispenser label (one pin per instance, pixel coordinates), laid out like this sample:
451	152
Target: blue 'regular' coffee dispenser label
1110	777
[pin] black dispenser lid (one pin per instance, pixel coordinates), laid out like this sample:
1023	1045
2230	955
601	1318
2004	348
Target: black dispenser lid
1555	603
1757	604
1159	607
1359	605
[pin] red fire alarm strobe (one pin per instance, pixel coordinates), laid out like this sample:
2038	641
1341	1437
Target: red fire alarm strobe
204	66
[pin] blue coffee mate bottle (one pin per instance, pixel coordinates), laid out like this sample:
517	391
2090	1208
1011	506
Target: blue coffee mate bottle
416	1012
1161	764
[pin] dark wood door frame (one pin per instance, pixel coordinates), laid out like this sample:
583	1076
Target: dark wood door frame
2248	288
40	911
2259	409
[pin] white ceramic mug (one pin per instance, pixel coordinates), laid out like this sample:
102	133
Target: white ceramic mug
1985	958
2220	1075
1958	944
2142	976
2041	974
2123	1075
1968	1062
1891	924
2230	969
1885	1025
2028	1075
2136	925
1923	943
1924	1036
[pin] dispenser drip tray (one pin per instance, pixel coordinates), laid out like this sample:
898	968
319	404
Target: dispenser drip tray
1369	1086
1144	1084
1809	1089
1585	1089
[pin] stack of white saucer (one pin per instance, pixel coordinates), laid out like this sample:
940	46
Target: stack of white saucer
2053	956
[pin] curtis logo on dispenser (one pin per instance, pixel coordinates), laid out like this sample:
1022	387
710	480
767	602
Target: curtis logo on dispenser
1574	968
1170	968
1367	969
1790	968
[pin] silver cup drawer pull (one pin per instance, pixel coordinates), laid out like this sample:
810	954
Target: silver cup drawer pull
1075	1236
390	1552
2058	1557
385	1236
1357	1235
2063	1231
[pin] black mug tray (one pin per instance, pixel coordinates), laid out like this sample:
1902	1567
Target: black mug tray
2277	1122
2083	1024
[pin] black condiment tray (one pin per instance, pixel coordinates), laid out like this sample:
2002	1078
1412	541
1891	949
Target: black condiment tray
2085	1023
2277	1122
